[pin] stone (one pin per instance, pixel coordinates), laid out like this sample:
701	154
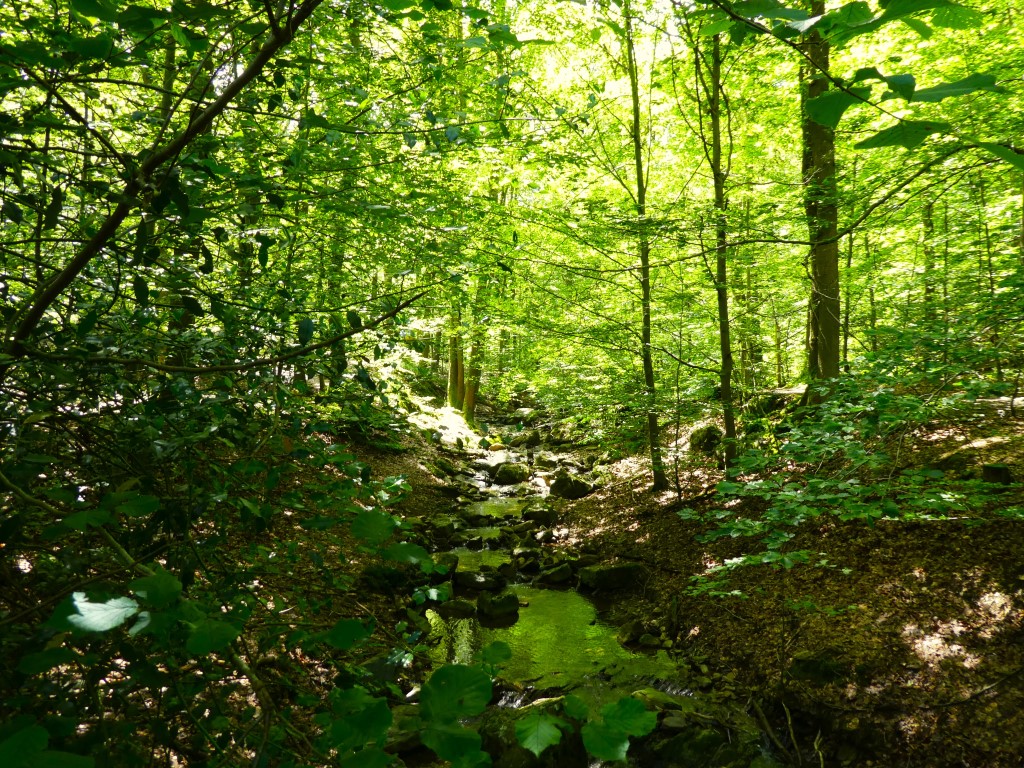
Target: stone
511	473
501	606
996	473
541	515
447	559
559	574
630	632
405	730
567	486
612	577
545	460
489	581
528	416
706	439
456	609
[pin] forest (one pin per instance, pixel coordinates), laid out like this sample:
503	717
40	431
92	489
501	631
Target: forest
466	383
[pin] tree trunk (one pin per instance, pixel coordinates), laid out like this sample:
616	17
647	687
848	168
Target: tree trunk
660	478
822	213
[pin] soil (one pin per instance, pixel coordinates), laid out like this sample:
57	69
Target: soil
899	643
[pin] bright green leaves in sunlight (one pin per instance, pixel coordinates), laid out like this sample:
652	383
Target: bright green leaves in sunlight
970	84
81	613
454	692
608	739
828	108
908	134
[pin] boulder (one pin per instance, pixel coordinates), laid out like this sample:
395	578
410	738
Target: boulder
528	416
568	486
541	515
706	439
456	609
511	473
496	607
611	577
489	581
559	574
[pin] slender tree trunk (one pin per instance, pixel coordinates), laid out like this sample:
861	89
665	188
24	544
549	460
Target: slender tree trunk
710	81
822	213
660	478
928	246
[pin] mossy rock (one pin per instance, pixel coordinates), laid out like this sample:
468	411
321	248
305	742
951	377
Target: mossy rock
706	439
511	473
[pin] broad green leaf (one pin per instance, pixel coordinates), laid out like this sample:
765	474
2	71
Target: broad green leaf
575	707
497	652
539	731
455	691
52	759
716	27
94	9
138	505
605	742
44	661
22	747
87	518
896	9
920	27
631	716
976	82
908	134
407	552
354	319
210	635
141	290
80	613
828	108
347	633
452	742
160	590
12	211
306	330
1015	159
373	526
957	17
371	757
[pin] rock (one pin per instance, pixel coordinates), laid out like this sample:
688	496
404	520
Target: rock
559	574
529	439
610	577
647	640
528	416
996	473
456	609
545	460
500	606
511	473
448	559
495	447
706	439
541	515
568	486
489	581
442	467
630	632
544	536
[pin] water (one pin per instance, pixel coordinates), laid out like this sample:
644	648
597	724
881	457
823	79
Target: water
559	643
498	508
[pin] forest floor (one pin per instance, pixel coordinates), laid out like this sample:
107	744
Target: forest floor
900	643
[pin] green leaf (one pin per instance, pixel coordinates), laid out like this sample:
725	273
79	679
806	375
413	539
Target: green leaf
896	9
908	134
605	742
94	9
452	742
87	518
631	716
161	589
138	505
828	108
715	27
920	27
210	635
347	633
373	526
79	613
12	211
371	757
407	552
44	661
52	759
354	319
957	17
575	707
20	748
1014	158
496	653
141	290
539	731
306	330
971	83
455	691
